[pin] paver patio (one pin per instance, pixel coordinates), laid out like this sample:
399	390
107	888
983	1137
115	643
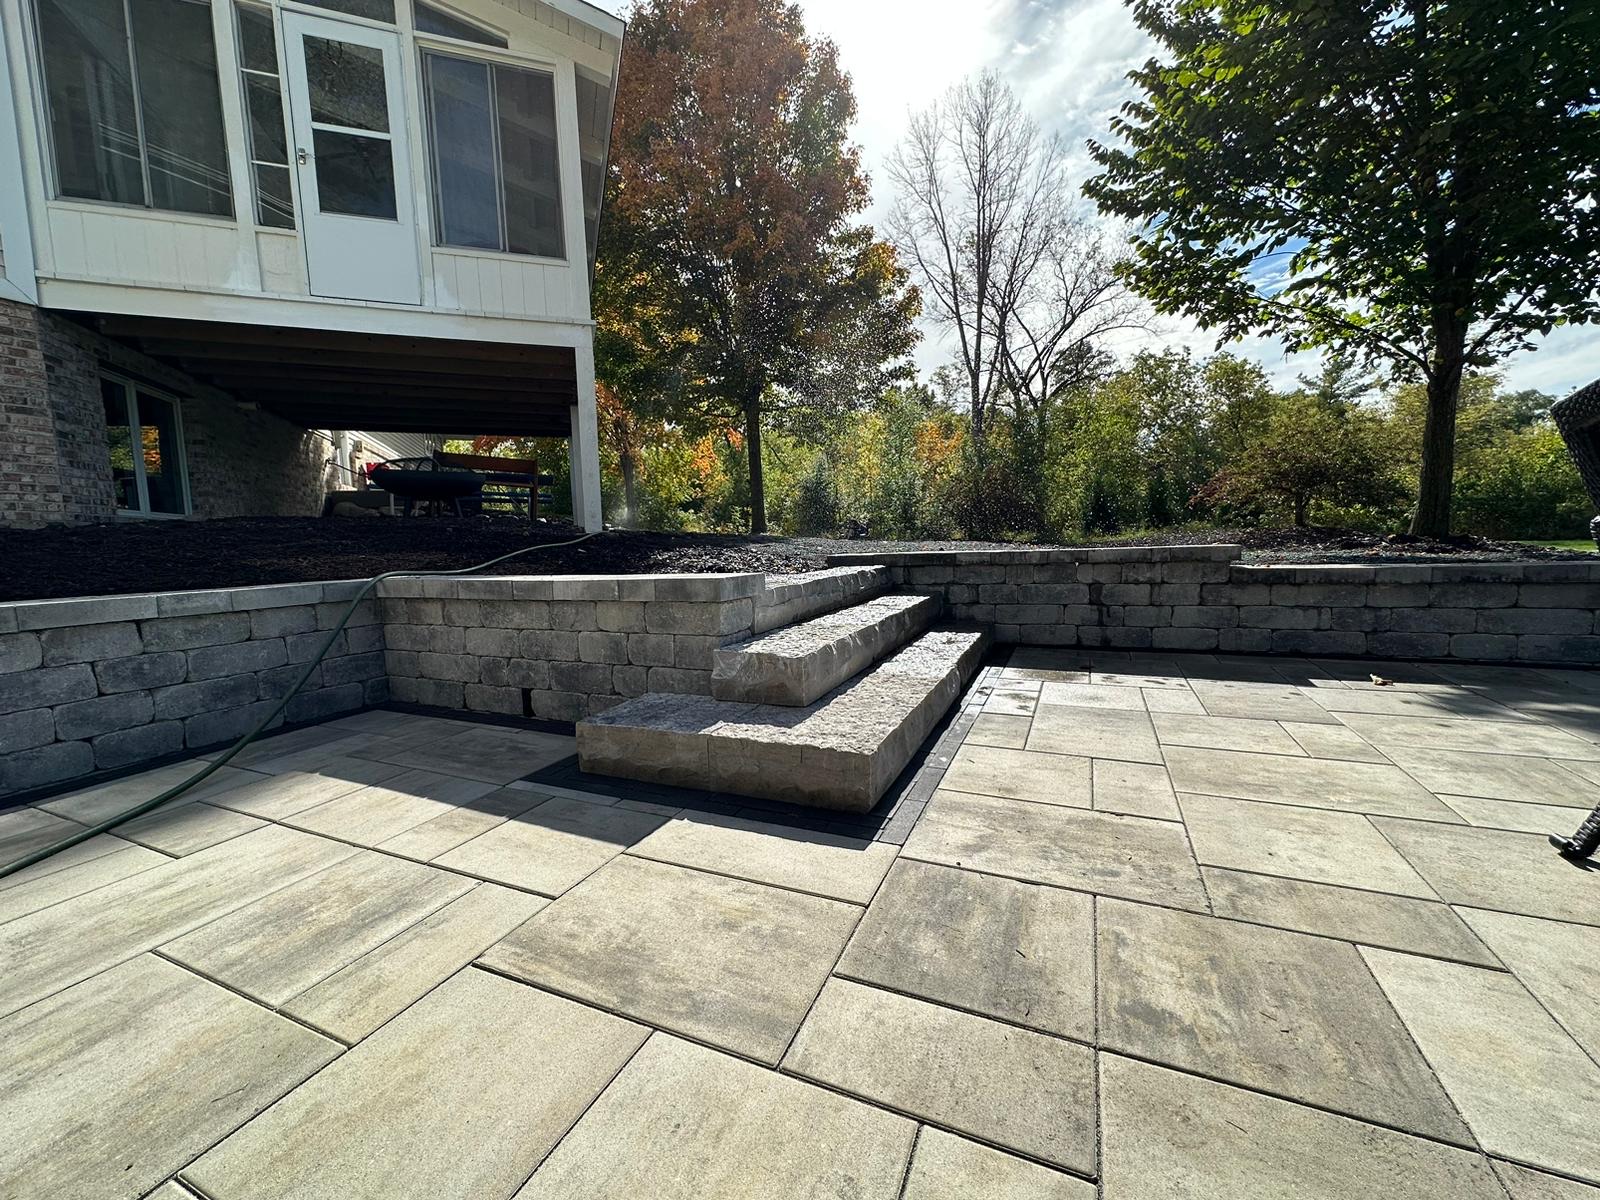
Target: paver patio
1172	926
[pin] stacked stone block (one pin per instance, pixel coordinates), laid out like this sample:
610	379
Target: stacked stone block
1202	598
559	648
101	683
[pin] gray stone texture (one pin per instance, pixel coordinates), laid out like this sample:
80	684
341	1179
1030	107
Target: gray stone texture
113	1085
460	1096
1173	1135
721	960
682	1122
1281	1012
1009	1086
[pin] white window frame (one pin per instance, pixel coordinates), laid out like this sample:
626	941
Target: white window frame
490	56
269	10
48	147
131	389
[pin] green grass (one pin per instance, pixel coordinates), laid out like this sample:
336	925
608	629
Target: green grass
1562	543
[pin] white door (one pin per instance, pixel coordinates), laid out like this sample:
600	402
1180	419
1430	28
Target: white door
354	160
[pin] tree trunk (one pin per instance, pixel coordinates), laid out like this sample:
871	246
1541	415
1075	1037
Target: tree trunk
1302	506
1437	481
630	492
752	445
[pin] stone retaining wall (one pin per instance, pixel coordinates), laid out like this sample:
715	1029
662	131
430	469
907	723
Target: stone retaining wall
1202	598
563	648
97	684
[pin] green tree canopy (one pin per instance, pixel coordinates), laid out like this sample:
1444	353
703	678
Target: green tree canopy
1418	176
734	194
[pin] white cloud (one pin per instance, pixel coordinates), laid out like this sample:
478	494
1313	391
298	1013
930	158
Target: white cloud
1068	61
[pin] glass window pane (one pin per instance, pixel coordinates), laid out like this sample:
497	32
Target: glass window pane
594	136
463	153
119	442
373	10
89	83
258	49
346	85
274	200
181	106
528	168
265	102
442	24
355	175
158	445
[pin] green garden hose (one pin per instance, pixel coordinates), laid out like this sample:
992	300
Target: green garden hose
222	759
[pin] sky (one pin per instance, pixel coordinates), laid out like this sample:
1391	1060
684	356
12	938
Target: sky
1067	60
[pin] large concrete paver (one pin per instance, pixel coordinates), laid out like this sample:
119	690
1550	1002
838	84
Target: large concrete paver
1319	845
1333	741
946	1167
553	846
1516	816
1458	703
1524	1183
25	830
1312	782
52	887
1557	962
1173	1136
1019	952
1094	733
1013	1087
457	826
1494	776
1370	918
1087	695
357	999
841	868
1020	775
184	828
1490	868
999	729
460	1096
1270	703
483	752
682	1122
275	797
1224	733
1067	847
376	813
1525	1088
102	801
60	945
1286	1013
110	1086
280	945
1134	789
1488	737
732	963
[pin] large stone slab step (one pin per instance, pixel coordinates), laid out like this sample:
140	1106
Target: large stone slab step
789	598
801	663
842	752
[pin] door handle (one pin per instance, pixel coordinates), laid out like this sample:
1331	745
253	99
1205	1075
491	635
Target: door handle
300	155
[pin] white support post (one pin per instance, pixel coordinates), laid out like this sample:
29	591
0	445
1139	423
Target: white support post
584	447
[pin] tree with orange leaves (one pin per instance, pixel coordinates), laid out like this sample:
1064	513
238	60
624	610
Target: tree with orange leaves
732	207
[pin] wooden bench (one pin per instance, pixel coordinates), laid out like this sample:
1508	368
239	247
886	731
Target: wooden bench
503	477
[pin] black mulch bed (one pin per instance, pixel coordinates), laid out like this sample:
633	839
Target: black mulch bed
156	556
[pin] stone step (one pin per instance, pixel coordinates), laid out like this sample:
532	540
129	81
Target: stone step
842	752
801	663
789	598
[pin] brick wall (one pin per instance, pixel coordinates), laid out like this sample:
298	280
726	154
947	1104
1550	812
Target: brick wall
1202	598
53	462
96	684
